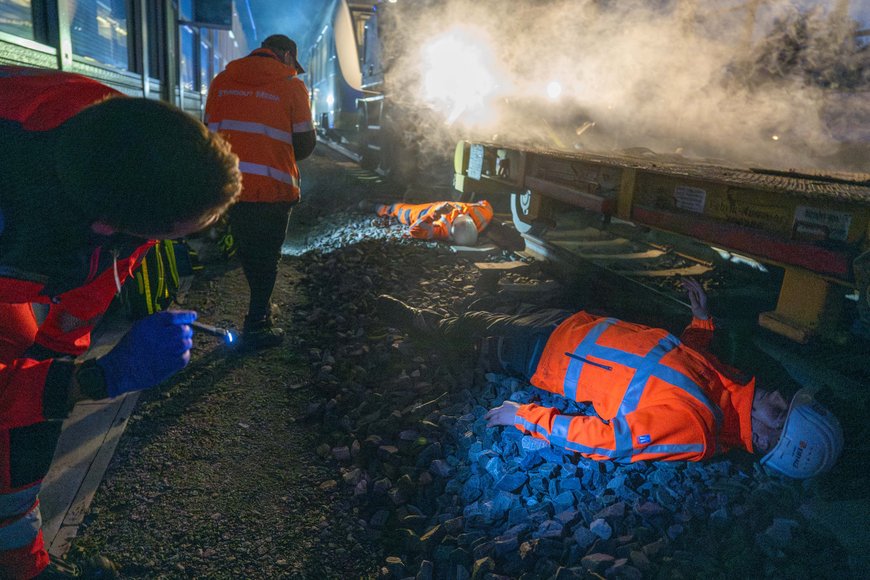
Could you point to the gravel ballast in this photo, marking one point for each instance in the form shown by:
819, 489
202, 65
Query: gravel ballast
358, 449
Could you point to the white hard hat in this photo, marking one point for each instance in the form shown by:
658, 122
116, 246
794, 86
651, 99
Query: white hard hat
463, 231
811, 439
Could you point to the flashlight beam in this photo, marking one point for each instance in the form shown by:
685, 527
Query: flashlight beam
214, 331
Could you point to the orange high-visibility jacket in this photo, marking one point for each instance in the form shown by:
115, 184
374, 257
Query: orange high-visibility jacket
257, 104
656, 398
431, 221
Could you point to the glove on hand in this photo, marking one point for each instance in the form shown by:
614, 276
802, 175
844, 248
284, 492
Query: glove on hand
697, 298
504, 414
153, 350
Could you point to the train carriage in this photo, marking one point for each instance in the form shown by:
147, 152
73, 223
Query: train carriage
159, 49
335, 68
574, 158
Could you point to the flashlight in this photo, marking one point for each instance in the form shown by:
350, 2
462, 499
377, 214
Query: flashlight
226, 335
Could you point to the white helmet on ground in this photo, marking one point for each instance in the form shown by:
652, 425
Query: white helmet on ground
463, 232
811, 439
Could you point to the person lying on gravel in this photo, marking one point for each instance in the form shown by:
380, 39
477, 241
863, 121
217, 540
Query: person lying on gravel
452, 221
657, 397
89, 177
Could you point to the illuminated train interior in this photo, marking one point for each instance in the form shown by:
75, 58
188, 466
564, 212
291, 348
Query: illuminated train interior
150, 48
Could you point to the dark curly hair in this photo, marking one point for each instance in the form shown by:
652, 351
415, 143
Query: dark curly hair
142, 166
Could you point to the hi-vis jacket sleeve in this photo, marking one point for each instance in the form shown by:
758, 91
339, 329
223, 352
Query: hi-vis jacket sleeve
699, 334
662, 432
67, 329
301, 105
429, 227
32, 391
34, 386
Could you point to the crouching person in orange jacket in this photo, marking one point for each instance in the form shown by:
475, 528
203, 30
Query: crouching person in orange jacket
441, 220
90, 180
657, 397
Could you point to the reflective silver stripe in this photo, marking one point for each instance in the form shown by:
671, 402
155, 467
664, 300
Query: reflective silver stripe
481, 219
17, 502
303, 127
266, 171
22, 531
255, 128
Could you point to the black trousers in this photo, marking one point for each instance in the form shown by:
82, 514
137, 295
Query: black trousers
259, 230
521, 336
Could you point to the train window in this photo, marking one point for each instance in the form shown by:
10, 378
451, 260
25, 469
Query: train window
204, 61
99, 31
324, 54
185, 10
155, 20
360, 19
186, 70
16, 17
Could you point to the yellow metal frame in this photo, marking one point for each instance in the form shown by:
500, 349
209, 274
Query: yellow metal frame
807, 305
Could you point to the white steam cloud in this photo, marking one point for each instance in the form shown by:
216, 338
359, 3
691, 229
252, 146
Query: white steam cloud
775, 83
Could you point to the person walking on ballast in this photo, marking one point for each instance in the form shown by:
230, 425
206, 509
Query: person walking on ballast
261, 107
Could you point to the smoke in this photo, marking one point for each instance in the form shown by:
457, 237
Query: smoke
747, 83
298, 19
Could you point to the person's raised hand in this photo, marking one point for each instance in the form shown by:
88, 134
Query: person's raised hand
697, 298
154, 349
504, 414
442, 208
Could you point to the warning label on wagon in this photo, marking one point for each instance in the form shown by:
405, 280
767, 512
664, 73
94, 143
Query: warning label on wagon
690, 198
826, 224
475, 162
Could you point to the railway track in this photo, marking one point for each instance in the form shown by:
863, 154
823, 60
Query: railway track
648, 260
812, 228
647, 265
781, 282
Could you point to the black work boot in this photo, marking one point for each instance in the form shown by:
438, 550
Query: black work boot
397, 312
260, 332
93, 567
58, 568
368, 206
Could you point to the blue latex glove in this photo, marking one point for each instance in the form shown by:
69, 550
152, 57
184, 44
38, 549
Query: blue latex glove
152, 351
697, 298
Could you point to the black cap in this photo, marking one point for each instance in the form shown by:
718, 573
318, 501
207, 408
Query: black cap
281, 43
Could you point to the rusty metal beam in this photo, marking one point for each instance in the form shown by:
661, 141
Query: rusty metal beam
570, 195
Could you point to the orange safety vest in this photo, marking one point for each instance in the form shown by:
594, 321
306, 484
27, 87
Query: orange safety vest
257, 104
656, 398
424, 224
41, 100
